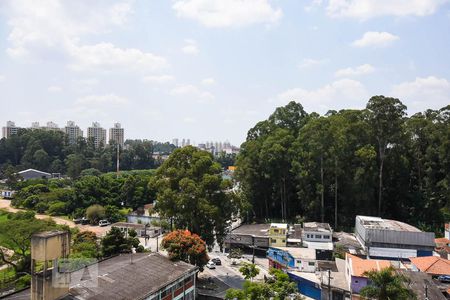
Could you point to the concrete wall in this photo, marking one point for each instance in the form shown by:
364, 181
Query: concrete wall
357, 283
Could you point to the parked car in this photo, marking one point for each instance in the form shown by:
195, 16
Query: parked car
216, 261
103, 223
210, 265
444, 278
82, 221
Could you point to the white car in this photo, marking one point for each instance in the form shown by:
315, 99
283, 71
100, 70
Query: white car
211, 265
103, 223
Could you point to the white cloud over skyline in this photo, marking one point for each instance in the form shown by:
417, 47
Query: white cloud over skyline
356, 71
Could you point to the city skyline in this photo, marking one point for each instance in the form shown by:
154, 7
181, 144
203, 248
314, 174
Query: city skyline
201, 69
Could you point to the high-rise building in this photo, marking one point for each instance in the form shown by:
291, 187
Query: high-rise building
9, 129
97, 134
73, 132
51, 126
188, 142
35, 125
183, 142
175, 142
116, 134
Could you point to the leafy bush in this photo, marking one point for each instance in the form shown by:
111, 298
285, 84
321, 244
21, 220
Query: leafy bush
41, 207
57, 209
95, 213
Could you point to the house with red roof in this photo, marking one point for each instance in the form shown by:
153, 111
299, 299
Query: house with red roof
355, 268
433, 265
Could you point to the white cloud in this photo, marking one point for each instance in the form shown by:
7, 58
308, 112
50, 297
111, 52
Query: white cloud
312, 5
230, 13
102, 100
158, 79
311, 62
105, 56
423, 93
366, 9
190, 47
208, 81
2, 78
189, 90
54, 89
356, 71
55, 28
189, 120
343, 93
375, 39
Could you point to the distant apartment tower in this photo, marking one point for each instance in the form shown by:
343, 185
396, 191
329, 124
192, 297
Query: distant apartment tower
51, 126
10, 129
175, 142
73, 132
97, 134
116, 134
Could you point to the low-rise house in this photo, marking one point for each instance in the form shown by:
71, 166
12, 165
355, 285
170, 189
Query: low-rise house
389, 239
247, 236
278, 234
422, 285
7, 194
355, 267
141, 229
432, 265
34, 174
301, 259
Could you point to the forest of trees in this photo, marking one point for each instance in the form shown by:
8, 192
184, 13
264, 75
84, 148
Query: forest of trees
375, 161
50, 151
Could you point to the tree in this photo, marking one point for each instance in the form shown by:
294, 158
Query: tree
279, 287
186, 246
95, 213
191, 191
115, 242
386, 284
386, 116
16, 235
249, 271
85, 245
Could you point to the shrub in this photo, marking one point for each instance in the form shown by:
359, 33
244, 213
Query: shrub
57, 209
95, 213
41, 207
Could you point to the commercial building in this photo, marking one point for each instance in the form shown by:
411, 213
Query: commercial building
34, 174
10, 129
285, 258
391, 239
248, 236
73, 132
97, 134
116, 134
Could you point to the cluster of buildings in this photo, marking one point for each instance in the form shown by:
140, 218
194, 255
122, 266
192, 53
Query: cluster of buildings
330, 265
213, 147
95, 132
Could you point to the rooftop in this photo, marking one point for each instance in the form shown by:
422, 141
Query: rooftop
34, 170
417, 283
385, 224
359, 266
302, 253
316, 226
132, 225
278, 225
433, 265
252, 229
119, 279
441, 242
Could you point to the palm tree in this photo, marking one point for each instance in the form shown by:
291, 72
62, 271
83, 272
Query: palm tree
386, 284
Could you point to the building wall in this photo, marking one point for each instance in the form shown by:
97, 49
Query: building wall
34, 175
277, 241
315, 236
282, 257
183, 288
447, 232
306, 265
357, 283
306, 287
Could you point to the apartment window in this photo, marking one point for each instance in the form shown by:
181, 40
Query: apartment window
311, 264
275, 230
326, 236
283, 241
318, 236
273, 240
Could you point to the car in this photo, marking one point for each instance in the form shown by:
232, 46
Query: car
216, 261
210, 265
82, 221
103, 223
444, 278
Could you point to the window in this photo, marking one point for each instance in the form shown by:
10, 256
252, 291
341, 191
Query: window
326, 237
318, 236
273, 240
356, 281
283, 241
275, 230
311, 263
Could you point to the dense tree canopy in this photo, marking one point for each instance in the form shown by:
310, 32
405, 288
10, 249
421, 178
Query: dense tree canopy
191, 191
375, 161
387, 284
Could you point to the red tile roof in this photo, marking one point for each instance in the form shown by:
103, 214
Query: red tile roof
359, 265
441, 242
433, 265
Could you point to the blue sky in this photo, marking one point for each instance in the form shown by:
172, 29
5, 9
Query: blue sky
210, 69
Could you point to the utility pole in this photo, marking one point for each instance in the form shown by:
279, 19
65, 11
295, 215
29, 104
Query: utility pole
157, 243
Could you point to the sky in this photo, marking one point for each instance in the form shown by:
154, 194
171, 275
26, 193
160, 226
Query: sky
209, 70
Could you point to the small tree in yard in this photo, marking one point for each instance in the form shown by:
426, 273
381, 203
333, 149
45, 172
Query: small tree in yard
186, 246
385, 285
95, 213
114, 242
249, 271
